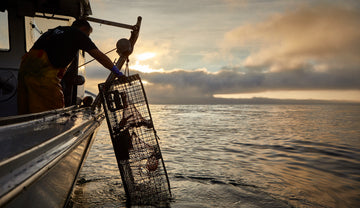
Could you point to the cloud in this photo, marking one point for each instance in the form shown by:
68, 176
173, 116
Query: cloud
326, 36
187, 86
164, 53
183, 85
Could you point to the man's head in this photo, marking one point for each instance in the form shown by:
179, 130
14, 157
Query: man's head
82, 25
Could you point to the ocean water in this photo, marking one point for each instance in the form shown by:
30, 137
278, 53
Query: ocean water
242, 156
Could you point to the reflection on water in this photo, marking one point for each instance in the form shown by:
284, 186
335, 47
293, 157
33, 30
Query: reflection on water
243, 156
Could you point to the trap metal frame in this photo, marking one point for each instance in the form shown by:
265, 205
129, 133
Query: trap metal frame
135, 141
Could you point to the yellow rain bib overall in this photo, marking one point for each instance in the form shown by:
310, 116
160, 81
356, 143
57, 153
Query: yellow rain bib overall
39, 87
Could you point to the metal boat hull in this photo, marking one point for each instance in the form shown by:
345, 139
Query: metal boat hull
43, 174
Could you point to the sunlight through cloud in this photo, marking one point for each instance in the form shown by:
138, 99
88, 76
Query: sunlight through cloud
144, 68
145, 56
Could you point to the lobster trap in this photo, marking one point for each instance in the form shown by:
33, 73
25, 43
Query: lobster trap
135, 141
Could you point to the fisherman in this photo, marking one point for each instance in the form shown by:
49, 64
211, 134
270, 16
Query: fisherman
43, 67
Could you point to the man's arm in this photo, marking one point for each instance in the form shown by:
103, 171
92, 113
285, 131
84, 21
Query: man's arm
105, 61
101, 58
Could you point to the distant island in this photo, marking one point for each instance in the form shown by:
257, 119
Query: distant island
255, 100
235, 101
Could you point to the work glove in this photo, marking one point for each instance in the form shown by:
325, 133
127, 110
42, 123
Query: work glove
116, 71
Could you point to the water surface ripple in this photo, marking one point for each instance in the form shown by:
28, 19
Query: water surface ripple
243, 156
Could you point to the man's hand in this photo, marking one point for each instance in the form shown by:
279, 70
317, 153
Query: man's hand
116, 71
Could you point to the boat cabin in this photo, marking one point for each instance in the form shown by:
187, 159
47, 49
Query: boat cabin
21, 23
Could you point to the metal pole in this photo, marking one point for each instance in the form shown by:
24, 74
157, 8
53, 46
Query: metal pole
106, 22
133, 38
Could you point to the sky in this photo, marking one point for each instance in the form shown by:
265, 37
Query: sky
202, 51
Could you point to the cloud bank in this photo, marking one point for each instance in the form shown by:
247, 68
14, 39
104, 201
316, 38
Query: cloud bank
324, 36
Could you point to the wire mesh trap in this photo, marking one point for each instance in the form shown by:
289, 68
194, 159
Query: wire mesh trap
135, 141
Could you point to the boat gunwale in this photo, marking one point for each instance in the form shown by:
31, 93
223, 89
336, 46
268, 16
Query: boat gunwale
8, 196
31, 117
46, 143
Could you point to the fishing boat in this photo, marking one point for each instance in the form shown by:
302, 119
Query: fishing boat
41, 154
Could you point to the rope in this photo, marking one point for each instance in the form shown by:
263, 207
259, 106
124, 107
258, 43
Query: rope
127, 67
94, 59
